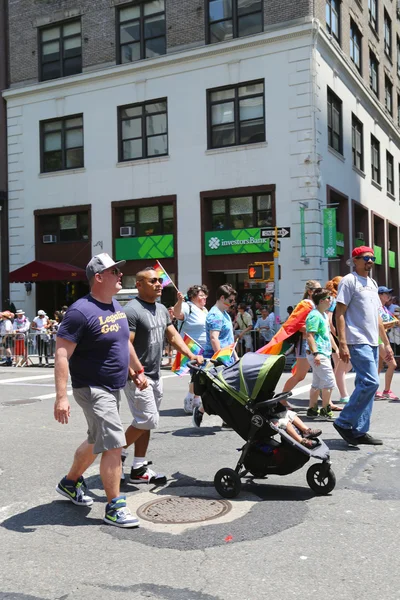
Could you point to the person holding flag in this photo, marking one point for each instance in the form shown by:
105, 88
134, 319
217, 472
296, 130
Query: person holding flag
219, 335
148, 322
192, 321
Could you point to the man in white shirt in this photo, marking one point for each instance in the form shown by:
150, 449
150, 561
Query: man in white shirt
39, 325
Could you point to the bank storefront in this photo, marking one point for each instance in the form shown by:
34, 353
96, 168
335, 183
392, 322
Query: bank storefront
232, 220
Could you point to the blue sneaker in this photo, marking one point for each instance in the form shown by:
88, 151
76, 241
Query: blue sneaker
74, 491
119, 515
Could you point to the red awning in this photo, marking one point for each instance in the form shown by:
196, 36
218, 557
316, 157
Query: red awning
47, 271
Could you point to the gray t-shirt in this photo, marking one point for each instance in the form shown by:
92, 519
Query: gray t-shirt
360, 295
149, 322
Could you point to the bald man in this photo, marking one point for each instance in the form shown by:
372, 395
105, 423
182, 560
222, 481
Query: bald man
149, 322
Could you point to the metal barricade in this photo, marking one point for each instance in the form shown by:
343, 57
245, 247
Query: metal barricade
40, 346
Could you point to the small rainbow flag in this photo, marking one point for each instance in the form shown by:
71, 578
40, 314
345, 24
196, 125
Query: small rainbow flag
162, 274
225, 354
180, 366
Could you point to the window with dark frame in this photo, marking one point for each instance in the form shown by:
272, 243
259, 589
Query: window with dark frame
389, 173
373, 73
227, 19
242, 212
355, 45
335, 133
67, 228
61, 143
388, 95
357, 142
373, 13
375, 160
141, 30
148, 220
236, 115
387, 34
332, 17
143, 130
60, 50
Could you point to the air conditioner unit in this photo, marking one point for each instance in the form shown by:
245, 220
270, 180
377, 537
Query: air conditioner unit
126, 231
359, 235
49, 239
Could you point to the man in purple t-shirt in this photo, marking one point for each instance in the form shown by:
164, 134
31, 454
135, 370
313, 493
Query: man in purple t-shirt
93, 341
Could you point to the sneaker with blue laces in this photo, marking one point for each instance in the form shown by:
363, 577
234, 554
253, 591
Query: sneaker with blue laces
119, 515
74, 491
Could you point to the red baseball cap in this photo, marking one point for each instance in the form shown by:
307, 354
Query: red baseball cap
361, 250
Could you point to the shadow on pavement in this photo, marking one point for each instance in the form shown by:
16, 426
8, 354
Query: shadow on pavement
173, 412
57, 512
197, 432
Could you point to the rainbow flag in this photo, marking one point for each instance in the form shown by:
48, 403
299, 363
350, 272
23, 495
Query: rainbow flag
162, 274
180, 366
225, 354
294, 323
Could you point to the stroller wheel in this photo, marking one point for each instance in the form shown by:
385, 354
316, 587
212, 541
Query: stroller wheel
320, 479
227, 483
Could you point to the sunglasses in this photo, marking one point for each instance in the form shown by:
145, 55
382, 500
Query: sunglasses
154, 280
367, 258
114, 271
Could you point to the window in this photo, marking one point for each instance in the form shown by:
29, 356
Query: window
389, 173
388, 95
335, 137
60, 50
357, 143
375, 160
387, 34
141, 31
355, 45
61, 143
236, 115
242, 212
229, 19
373, 73
373, 13
149, 220
66, 228
332, 16
143, 130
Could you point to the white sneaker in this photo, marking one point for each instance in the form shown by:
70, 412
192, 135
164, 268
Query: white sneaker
196, 402
188, 404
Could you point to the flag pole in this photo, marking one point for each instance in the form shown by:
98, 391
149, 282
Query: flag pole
161, 267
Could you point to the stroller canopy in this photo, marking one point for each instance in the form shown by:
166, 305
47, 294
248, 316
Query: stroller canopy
253, 377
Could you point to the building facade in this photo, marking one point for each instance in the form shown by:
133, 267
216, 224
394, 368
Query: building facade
4, 292
183, 131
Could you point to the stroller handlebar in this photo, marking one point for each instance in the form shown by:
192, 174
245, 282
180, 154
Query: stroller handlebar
274, 400
195, 366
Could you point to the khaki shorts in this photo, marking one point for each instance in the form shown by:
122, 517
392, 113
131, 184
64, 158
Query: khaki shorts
323, 376
101, 409
283, 422
145, 404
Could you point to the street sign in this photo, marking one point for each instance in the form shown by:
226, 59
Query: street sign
272, 245
269, 232
256, 272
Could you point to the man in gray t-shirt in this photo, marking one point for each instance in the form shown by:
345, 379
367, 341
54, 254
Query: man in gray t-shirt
359, 328
148, 322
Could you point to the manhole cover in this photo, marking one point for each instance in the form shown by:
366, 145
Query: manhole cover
19, 402
175, 509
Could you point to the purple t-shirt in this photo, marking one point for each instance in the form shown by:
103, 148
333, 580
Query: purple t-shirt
101, 332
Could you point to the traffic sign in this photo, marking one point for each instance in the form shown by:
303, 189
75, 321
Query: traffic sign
269, 232
272, 245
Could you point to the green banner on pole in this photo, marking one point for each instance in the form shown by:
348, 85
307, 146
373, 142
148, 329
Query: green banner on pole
149, 246
340, 243
359, 243
303, 231
392, 259
378, 254
330, 237
235, 241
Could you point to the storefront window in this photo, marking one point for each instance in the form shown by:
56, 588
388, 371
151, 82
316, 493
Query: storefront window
168, 218
149, 220
242, 213
264, 211
66, 228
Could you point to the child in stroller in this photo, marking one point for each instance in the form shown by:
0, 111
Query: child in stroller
290, 422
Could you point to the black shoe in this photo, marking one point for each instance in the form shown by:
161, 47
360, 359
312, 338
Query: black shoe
197, 417
368, 439
347, 435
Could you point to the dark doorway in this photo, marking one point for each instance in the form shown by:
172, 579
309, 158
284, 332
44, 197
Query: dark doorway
52, 295
393, 257
341, 202
379, 245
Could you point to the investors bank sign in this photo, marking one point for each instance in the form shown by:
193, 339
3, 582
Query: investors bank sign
235, 241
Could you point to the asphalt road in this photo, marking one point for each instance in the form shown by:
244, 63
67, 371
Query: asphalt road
277, 541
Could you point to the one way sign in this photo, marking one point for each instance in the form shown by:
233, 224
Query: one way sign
269, 232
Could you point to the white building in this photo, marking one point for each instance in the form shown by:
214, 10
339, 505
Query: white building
280, 86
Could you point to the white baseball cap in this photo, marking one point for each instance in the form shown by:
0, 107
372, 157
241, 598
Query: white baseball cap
100, 263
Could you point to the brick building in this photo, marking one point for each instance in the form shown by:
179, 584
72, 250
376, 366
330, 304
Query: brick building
179, 130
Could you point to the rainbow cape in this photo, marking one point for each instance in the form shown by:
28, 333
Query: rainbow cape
162, 274
225, 354
180, 366
294, 323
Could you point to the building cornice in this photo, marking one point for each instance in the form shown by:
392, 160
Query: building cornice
271, 36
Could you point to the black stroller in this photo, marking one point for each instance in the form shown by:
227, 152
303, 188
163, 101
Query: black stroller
243, 396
